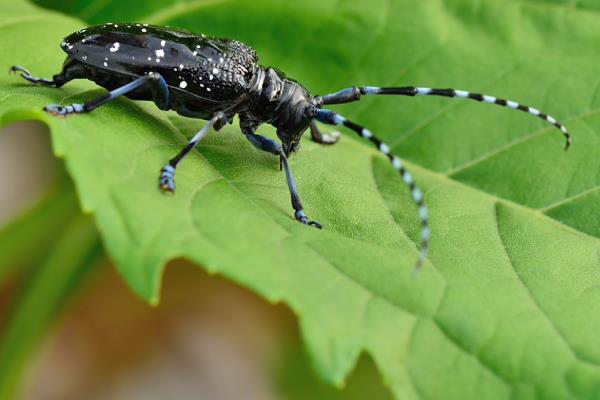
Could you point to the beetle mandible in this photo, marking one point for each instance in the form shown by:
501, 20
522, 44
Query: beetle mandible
214, 79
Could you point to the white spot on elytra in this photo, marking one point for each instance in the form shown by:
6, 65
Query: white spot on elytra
145, 24
221, 60
215, 71
162, 43
160, 53
115, 47
183, 84
144, 30
208, 89
149, 58
105, 64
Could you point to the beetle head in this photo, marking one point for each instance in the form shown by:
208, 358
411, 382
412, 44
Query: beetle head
293, 123
295, 115
282, 102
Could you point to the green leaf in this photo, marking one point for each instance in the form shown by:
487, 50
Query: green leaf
505, 306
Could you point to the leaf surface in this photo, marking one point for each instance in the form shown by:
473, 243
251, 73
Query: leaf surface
507, 303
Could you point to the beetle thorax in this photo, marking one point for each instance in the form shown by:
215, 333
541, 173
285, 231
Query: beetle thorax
281, 102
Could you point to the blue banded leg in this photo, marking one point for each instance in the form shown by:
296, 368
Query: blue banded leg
166, 180
153, 80
332, 118
270, 146
322, 138
354, 93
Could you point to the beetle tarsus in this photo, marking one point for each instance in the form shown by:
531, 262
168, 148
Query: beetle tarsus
63, 111
301, 217
25, 74
323, 138
24, 71
166, 180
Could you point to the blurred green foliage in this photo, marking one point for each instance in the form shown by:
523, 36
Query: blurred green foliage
506, 306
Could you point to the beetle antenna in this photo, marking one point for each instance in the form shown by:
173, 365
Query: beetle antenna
333, 118
354, 93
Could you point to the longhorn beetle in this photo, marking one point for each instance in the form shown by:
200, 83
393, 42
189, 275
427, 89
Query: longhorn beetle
214, 79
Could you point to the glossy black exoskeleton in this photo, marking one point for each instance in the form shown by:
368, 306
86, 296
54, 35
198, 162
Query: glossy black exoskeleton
215, 79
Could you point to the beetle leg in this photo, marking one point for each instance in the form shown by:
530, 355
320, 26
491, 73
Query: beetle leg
156, 82
296, 203
25, 74
323, 138
71, 70
270, 146
167, 173
57, 80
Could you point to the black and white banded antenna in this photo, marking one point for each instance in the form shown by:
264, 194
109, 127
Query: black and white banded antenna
354, 94
333, 118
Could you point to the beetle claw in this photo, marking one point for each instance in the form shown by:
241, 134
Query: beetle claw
316, 224
301, 217
17, 68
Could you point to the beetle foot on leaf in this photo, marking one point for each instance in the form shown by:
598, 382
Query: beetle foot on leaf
18, 68
167, 178
329, 138
61, 111
301, 217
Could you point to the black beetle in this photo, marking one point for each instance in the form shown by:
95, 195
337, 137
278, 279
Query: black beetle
214, 79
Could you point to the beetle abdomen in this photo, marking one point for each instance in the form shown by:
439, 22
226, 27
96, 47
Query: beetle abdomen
212, 68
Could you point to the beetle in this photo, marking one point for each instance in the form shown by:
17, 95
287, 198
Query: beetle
214, 79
